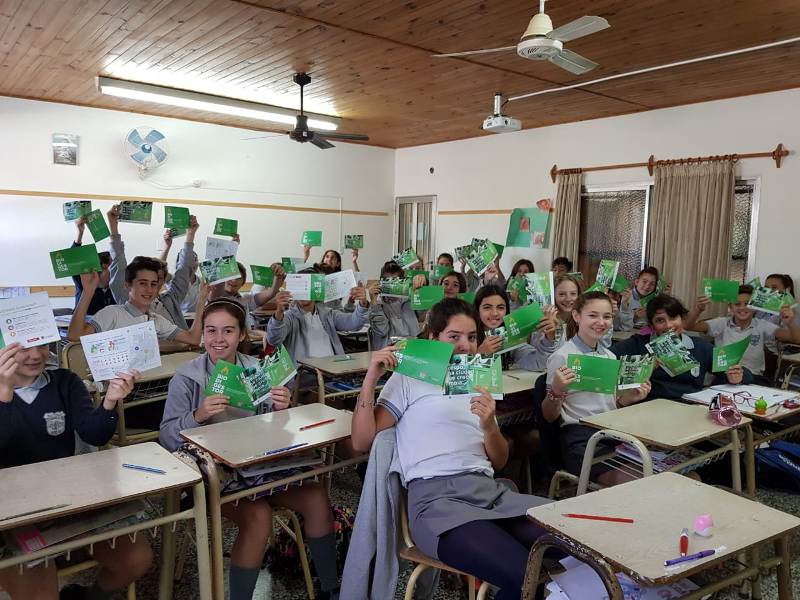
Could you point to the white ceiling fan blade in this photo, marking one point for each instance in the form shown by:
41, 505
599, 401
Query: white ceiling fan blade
470, 52
573, 62
264, 137
578, 28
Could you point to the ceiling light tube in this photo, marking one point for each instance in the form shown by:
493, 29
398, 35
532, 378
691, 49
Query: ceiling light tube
207, 102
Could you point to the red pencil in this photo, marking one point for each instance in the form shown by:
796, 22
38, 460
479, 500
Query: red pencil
598, 518
325, 422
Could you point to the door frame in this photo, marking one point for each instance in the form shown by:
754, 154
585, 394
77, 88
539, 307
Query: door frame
415, 201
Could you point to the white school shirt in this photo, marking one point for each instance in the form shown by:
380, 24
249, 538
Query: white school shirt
580, 404
725, 331
437, 435
125, 315
317, 340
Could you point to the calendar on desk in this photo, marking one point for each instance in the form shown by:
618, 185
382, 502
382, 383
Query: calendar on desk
120, 350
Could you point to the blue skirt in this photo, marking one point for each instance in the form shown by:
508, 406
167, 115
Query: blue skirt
439, 504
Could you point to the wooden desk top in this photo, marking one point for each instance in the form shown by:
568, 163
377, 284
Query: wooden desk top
242, 442
519, 380
88, 481
661, 506
663, 423
358, 362
169, 364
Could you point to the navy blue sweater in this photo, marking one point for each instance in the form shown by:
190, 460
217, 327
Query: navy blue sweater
664, 386
45, 429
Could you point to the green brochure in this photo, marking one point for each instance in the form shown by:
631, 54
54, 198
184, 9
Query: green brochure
730, 355
311, 238
607, 273
620, 284
407, 258
228, 379
519, 228
176, 218
520, 324
462, 252
228, 227
355, 242
75, 261
426, 360
273, 370
394, 286
519, 284
440, 271
468, 297
134, 211
635, 369
288, 265
414, 272
262, 275
498, 248
469, 370
596, 287
425, 297
755, 282
97, 225
219, 270
306, 286
540, 288
721, 290
577, 275
77, 209
673, 356
508, 343
482, 254
770, 301
594, 373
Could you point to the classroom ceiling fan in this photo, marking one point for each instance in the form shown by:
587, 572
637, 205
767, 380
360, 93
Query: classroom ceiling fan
541, 42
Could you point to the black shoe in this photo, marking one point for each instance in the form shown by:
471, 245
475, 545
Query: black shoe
73, 592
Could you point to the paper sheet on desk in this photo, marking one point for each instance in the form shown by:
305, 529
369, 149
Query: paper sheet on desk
772, 396
120, 350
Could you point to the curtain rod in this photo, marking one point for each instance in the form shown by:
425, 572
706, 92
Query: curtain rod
777, 155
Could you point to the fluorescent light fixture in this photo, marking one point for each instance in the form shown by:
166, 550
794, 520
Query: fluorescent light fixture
207, 102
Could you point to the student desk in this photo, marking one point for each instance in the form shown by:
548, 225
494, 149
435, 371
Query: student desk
242, 442
671, 425
515, 381
355, 363
94, 480
661, 506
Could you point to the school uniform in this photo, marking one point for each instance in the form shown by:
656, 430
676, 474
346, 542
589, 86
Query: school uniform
725, 331
392, 318
41, 421
125, 315
101, 298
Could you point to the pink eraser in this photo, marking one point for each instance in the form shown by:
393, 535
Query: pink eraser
703, 525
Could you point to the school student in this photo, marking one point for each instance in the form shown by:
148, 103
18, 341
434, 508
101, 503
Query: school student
631, 310
454, 283
449, 449
187, 406
41, 412
166, 303
253, 300
492, 275
142, 282
592, 317
193, 291
521, 268
331, 258
665, 313
308, 329
102, 295
391, 316
445, 259
779, 282
740, 324
561, 265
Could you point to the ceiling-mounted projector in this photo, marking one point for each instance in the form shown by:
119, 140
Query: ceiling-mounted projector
498, 122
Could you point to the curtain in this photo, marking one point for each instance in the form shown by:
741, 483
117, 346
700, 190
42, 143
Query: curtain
691, 218
567, 219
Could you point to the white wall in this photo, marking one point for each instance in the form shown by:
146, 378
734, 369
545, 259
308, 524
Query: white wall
512, 170
268, 171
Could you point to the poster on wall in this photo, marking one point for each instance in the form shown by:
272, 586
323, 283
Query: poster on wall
65, 148
530, 227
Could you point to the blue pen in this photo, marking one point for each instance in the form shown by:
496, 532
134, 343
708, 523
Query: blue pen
286, 449
143, 468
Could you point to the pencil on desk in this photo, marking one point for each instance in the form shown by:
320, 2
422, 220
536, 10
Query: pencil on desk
598, 518
143, 468
325, 422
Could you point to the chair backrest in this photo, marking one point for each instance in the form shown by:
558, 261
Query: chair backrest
548, 432
405, 530
73, 358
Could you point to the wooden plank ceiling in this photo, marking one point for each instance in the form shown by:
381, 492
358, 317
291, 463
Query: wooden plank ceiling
370, 59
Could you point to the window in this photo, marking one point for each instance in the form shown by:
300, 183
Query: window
415, 226
743, 224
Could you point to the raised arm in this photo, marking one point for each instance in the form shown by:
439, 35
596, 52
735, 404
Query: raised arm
369, 419
790, 335
194, 335
356, 268
182, 279
167, 245
264, 296
494, 443
78, 325
692, 323
118, 261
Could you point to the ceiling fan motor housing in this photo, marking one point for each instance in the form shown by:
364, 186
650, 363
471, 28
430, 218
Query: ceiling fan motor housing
539, 48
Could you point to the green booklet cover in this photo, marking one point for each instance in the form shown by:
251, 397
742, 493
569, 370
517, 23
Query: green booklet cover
414, 272
395, 286
288, 264
426, 360
306, 286
135, 211
77, 209
755, 282
426, 296
519, 284
594, 373
481, 256
262, 275
468, 297
540, 288
354, 242
219, 270
469, 370
620, 284
273, 370
229, 227
75, 261
577, 275
228, 379
635, 369
520, 324
311, 238
440, 271
462, 251
176, 218
770, 301
607, 273
673, 356
407, 258
508, 343
97, 225
596, 287
730, 355
721, 290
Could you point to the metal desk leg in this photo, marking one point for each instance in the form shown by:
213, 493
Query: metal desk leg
211, 476
171, 504
750, 461
736, 464
201, 535
122, 435
320, 386
784, 570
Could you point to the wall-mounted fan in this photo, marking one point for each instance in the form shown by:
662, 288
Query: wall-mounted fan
147, 147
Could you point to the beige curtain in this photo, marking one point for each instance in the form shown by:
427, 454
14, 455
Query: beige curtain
567, 219
691, 219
